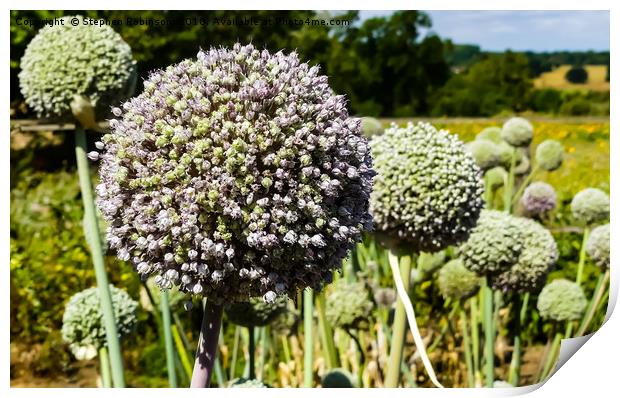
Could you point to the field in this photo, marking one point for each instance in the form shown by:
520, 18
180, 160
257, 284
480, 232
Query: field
555, 79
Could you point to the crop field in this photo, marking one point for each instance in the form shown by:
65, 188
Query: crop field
555, 79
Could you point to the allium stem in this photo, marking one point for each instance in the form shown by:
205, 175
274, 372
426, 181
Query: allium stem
207, 345
235, 350
599, 290
489, 335
582, 255
104, 362
467, 348
92, 224
475, 336
308, 337
523, 185
514, 372
165, 315
184, 358
327, 334
550, 361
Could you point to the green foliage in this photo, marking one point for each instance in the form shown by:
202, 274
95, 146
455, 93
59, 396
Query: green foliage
577, 75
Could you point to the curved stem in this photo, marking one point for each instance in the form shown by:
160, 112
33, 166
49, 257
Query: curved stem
165, 312
207, 345
308, 338
524, 184
104, 362
91, 226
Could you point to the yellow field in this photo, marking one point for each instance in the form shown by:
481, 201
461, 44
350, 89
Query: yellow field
555, 79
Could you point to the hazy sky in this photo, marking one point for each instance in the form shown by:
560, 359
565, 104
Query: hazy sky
521, 30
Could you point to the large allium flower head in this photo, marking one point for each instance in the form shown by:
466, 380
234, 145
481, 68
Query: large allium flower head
549, 155
537, 258
590, 206
493, 245
82, 321
234, 175
518, 132
495, 177
486, 153
598, 244
63, 61
256, 312
561, 300
338, 378
371, 126
348, 306
538, 198
492, 133
428, 191
242, 382
456, 281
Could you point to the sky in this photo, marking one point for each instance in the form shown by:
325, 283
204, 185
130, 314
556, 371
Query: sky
521, 30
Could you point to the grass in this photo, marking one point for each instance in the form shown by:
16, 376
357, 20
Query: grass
555, 79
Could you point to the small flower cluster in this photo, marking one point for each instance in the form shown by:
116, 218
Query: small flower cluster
64, 60
256, 312
562, 300
539, 198
82, 322
235, 175
598, 245
428, 189
457, 282
348, 306
518, 132
549, 155
486, 153
590, 206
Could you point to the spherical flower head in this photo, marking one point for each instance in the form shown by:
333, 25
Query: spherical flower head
561, 300
590, 206
539, 198
371, 126
63, 61
385, 296
82, 322
495, 177
338, 378
234, 175
598, 245
493, 245
428, 191
549, 155
348, 306
256, 312
242, 382
492, 133
518, 132
456, 281
486, 153
537, 257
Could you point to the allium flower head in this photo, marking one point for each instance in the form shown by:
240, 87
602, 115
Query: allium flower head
538, 198
385, 296
536, 259
82, 321
549, 155
486, 153
492, 133
234, 175
428, 191
348, 305
371, 126
518, 132
63, 61
495, 177
561, 300
598, 245
256, 312
590, 206
456, 281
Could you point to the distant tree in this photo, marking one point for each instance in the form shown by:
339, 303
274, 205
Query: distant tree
577, 75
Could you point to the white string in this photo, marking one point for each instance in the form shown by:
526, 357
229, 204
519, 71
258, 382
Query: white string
417, 338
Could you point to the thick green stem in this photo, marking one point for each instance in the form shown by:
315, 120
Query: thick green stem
207, 345
475, 335
104, 362
599, 291
515, 364
582, 255
251, 353
178, 342
235, 351
550, 361
524, 184
167, 324
508, 188
308, 338
489, 335
392, 378
327, 335
91, 225
467, 348
286, 349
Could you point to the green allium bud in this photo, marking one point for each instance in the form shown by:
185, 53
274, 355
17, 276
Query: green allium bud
428, 191
590, 206
242, 382
562, 300
486, 153
82, 321
549, 155
518, 132
63, 61
598, 245
492, 133
456, 281
256, 312
348, 306
338, 378
495, 177
371, 126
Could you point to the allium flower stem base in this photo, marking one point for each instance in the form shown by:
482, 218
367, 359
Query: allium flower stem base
327, 334
308, 338
116, 360
207, 345
104, 363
